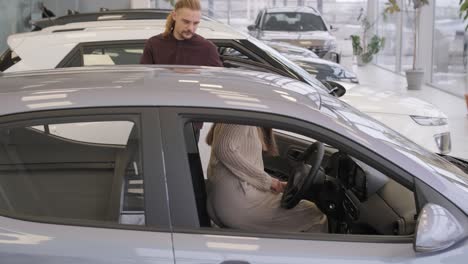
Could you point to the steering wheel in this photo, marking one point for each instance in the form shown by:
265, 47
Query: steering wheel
304, 175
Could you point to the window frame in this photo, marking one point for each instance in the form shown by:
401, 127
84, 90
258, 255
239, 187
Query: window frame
183, 220
147, 121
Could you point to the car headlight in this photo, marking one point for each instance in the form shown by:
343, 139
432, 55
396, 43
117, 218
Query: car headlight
429, 121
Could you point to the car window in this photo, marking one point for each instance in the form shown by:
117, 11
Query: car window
85, 132
80, 171
229, 51
8, 59
355, 197
294, 21
112, 55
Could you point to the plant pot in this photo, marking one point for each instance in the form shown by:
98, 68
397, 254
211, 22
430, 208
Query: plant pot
363, 59
414, 78
360, 62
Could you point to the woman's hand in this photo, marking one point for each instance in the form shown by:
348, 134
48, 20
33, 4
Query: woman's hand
278, 186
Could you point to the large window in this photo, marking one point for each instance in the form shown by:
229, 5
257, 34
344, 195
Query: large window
450, 48
388, 27
77, 170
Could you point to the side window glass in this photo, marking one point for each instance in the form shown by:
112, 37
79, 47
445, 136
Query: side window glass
112, 55
74, 61
85, 132
88, 171
228, 52
326, 189
8, 59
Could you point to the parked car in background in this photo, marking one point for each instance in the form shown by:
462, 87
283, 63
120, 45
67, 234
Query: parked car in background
319, 68
122, 42
69, 198
301, 26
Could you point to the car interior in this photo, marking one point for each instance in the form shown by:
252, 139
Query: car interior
46, 175
356, 198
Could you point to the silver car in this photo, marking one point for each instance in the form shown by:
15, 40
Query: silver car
102, 165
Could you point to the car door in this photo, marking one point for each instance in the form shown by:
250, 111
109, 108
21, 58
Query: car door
83, 186
197, 241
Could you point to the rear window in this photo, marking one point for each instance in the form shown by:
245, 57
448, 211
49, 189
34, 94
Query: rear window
8, 59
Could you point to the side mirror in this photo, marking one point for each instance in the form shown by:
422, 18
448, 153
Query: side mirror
333, 29
437, 229
335, 88
332, 56
251, 27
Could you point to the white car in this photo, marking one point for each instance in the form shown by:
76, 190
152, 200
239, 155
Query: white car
122, 42
300, 26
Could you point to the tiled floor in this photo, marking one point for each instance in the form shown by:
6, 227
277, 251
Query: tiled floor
454, 107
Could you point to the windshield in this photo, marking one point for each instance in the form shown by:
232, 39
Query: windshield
291, 65
294, 21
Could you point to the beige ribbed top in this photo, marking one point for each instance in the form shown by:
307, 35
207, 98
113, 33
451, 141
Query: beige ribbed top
239, 149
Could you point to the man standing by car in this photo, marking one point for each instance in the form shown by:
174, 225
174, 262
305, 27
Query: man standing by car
179, 44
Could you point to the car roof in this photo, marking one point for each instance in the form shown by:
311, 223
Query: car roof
211, 28
119, 14
55, 42
72, 32
298, 9
151, 85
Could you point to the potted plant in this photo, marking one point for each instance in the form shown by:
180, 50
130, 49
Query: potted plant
363, 47
414, 76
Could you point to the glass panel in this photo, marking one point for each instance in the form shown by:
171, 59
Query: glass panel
69, 171
126, 54
8, 59
388, 28
450, 48
407, 44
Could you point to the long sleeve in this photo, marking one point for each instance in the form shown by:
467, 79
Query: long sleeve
213, 58
147, 57
238, 150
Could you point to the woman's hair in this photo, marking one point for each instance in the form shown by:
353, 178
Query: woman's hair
190, 4
265, 134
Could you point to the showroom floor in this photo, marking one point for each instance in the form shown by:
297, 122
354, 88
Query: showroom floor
454, 107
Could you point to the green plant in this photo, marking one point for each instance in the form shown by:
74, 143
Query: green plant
464, 11
393, 7
364, 47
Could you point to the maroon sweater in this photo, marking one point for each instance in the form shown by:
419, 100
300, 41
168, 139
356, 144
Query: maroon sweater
194, 51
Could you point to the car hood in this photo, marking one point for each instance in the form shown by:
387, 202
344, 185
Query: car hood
371, 100
303, 35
